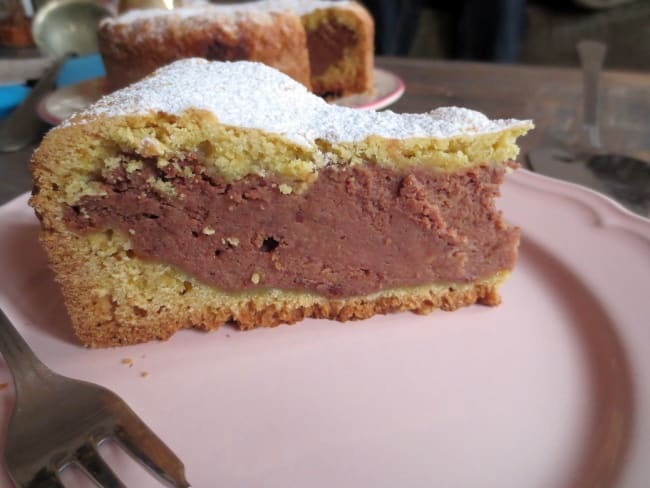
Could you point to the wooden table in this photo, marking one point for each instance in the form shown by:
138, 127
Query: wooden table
552, 97
549, 96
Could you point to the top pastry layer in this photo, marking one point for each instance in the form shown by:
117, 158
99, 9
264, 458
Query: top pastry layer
253, 96
246, 118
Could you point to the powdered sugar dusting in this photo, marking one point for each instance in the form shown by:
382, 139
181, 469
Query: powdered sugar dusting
302, 7
202, 12
252, 95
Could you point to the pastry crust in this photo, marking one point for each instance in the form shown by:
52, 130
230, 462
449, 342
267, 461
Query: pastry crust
115, 300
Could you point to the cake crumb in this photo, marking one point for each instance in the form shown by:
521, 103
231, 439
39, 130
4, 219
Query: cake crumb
230, 241
276, 262
255, 278
112, 162
132, 231
187, 172
150, 147
228, 336
187, 286
163, 187
3, 386
144, 374
128, 361
208, 231
285, 189
133, 166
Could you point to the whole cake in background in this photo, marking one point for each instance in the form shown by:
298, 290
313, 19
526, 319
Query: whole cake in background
325, 45
212, 193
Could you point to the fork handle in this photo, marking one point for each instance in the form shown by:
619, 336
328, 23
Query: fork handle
23, 363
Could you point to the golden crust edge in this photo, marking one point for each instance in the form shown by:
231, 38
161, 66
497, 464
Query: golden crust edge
115, 302
251, 316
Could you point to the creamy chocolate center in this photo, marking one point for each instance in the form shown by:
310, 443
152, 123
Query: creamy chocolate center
326, 45
354, 231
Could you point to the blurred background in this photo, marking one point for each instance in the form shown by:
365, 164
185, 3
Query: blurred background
514, 31
508, 31
520, 42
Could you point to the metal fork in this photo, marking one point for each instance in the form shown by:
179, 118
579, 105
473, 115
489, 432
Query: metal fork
58, 421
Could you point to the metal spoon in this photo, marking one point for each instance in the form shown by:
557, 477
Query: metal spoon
61, 28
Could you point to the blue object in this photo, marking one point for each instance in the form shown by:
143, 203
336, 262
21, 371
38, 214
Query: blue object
74, 70
80, 69
11, 96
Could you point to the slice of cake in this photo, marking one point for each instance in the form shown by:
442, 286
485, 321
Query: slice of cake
340, 41
226, 192
322, 44
138, 42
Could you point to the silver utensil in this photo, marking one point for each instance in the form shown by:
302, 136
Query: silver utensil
23, 126
61, 28
584, 159
126, 5
58, 421
592, 56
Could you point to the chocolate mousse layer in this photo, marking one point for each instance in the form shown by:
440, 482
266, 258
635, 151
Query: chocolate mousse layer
326, 45
354, 231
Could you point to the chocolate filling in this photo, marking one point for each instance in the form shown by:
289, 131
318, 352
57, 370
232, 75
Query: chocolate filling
326, 45
354, 231
225, 48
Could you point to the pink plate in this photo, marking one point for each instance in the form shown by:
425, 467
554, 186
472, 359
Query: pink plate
60, 104
388, 88
549, 390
